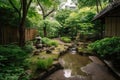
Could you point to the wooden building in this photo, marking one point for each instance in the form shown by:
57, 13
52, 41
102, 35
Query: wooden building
110, 16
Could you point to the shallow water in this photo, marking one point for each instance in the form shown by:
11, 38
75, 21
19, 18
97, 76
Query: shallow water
74, 62
77, 67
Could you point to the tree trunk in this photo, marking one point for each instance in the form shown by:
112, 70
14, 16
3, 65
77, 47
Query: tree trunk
44, 15
100, 4
22, 34
22, 12
1, 35
97, 6
45, 31
21, 26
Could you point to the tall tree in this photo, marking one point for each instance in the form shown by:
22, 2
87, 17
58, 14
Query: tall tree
47, 7
22, 10
61, 17
97, 3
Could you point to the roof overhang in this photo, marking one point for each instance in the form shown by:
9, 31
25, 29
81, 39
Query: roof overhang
108, 11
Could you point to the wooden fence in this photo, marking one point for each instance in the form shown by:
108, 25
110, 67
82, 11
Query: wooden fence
11, 35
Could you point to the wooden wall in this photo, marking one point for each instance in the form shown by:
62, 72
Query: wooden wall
11, 35
112, 26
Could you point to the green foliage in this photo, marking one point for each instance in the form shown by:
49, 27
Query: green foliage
49, 42
28, 48
80, 22
49, 3
52, 28
81, 17
8, 17
45, 40
87, 16
34, 17
66, 39
11, 62
86, 28
44, 63
87, 31
106, 47
75, 21
62, 15
90, 3
52, 43
10, 73
4, 3
12, 53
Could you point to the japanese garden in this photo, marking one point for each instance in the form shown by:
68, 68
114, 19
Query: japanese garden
59, 39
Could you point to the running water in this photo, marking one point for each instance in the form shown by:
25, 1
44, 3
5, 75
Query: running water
77, 67
72, 63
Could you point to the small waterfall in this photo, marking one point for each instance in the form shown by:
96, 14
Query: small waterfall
73, 49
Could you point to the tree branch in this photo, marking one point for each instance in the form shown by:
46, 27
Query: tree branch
50, 12
28, 5
21, 5
97, 6
13, 5
99, 1
43, 12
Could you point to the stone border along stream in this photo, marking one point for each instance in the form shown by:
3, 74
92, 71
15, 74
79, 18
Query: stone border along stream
57, 66
54, 67
109, 65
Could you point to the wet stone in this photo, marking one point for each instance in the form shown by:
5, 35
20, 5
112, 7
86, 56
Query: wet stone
77, 67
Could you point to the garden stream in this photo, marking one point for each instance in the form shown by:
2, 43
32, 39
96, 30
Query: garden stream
78, 67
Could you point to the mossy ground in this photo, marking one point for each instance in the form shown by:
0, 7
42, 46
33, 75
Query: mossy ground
43, 55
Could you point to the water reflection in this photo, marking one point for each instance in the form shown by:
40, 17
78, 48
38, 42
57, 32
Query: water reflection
67, 73
77, 67
72, 64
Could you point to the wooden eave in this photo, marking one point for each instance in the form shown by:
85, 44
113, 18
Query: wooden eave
111, 10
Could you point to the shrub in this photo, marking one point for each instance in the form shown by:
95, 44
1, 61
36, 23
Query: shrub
66, 39
44, 63
49, 42
11, 62
52, 28
10, 73
106, 47
45, 40
13, 73
28, 48
52, 43
12, 53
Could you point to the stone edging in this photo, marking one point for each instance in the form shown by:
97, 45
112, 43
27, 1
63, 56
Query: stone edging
109, 65
53, 68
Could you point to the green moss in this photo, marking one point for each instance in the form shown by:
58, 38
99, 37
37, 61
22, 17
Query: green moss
33, 60
66, 39
49, 42
44, 63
